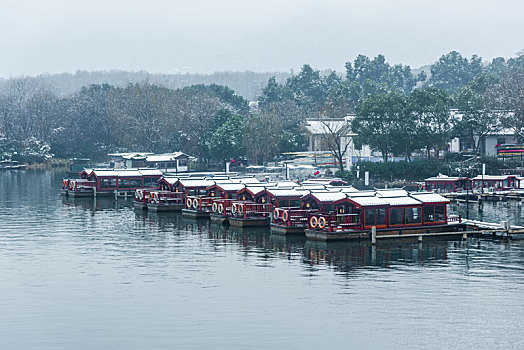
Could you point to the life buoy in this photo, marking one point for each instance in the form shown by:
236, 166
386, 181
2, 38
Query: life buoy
321, 222
313, 222
420, 187
189, 202
234, 209
140, 195
214, 207
285, 215
220, 208
275, 213
195, 203
240, 208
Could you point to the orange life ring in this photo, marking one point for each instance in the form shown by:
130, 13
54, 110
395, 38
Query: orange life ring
240, 208
420, 187
285, 215
189, 202
275, 213
313, 222
321, 222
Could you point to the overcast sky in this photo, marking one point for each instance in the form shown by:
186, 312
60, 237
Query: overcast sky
54, 36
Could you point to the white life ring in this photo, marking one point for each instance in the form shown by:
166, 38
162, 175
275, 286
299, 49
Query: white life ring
214, 207
220, 208
234, 208
189, 203
195, 203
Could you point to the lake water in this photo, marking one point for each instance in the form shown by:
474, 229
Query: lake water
86, 274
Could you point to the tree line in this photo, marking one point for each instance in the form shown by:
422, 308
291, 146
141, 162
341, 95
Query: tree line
397, 111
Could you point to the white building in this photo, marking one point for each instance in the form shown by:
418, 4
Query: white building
319, 130
169, 162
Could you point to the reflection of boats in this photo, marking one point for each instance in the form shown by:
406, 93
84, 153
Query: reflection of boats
98, 204
11, 165
355, 254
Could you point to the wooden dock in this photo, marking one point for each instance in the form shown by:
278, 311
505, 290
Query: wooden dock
493, 196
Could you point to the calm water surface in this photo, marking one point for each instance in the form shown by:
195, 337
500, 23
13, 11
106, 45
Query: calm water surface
85, 274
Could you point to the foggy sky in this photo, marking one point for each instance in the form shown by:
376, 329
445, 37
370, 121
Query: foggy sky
170, 36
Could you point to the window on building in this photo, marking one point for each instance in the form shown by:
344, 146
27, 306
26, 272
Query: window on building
381, 216
413, 216
397, 216
369, 217
440, 213
429, 213
108, 183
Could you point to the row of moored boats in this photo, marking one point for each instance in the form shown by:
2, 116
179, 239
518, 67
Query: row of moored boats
322, 209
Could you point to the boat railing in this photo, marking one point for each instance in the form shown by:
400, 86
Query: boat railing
291, 217
142, 195
164, 197
222, 206
332, 222
199, 203
80, 185
250, 210
455, 218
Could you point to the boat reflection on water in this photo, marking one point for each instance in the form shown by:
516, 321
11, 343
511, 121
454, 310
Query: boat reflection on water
361, 254
342, 256
97, 204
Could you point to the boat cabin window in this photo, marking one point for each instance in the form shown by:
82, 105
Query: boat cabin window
289, 203
413, 216
429, 213
440, 213
434, 213
375, 217
107, 183
329, 208
397, 216
151, 182
129, 183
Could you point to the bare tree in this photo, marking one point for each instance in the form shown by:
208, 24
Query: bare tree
335, 138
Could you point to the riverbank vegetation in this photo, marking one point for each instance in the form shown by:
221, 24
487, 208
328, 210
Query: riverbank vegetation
398, 112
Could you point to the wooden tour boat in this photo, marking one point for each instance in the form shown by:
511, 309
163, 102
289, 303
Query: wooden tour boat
392, 213
165, 201
250, 214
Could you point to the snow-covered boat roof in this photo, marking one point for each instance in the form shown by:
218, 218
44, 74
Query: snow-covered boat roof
255, 190
429, 197
400, 201
444, 178
492, 177
125, 172
368, 201
228, 187
195, 183
170, 179
328, 197
286, 184
166, 157
277, 192
391, 193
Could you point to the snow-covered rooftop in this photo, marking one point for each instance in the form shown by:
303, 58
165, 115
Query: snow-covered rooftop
429, 197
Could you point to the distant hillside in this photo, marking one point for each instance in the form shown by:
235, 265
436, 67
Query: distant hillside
247, 84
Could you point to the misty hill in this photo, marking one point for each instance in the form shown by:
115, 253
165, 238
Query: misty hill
246, 84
